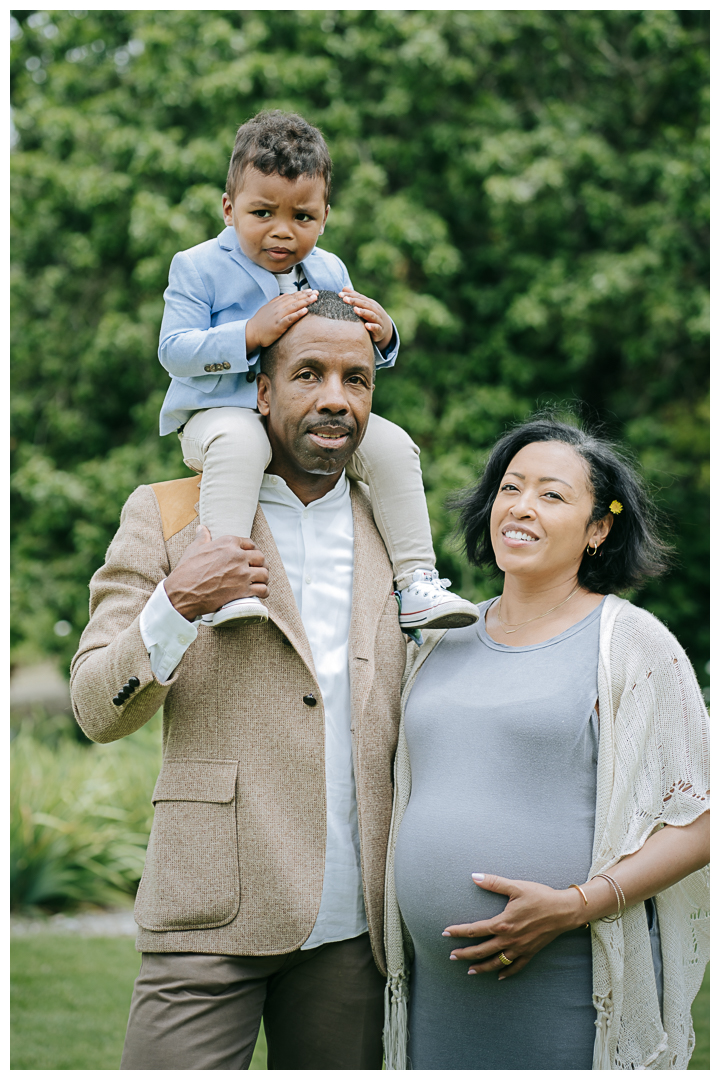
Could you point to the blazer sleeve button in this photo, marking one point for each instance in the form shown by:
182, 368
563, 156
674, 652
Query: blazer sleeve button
310, 700
208, 367
227, 365
134, 682
118, 700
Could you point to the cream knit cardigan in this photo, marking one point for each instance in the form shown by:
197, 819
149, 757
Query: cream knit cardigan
652, 770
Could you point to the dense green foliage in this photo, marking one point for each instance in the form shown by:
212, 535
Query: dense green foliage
80, 817
525, 191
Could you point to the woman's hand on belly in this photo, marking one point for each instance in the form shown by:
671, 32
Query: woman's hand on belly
533, 917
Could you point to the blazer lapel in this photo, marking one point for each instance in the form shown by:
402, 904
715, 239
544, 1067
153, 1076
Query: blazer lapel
229, 241
315, 271
281, 600
372, 585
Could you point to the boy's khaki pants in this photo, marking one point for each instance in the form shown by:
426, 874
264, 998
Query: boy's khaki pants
322, 1009
231, 448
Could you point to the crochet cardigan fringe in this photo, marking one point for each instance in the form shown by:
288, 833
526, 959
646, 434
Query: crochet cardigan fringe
652, 771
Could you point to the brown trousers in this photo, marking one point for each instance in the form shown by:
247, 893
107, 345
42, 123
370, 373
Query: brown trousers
322, 1008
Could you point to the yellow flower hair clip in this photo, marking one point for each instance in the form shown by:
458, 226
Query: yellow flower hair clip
616, 507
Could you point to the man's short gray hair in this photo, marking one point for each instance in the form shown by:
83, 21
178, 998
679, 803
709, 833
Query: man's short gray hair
327, 306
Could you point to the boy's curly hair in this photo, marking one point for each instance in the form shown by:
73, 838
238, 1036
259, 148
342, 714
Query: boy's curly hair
282, 143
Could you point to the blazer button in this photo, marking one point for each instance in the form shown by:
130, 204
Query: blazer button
134, 682
208, 367
227, 365
250, 377
310, 700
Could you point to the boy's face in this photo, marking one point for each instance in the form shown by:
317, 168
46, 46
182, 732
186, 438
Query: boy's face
277, 220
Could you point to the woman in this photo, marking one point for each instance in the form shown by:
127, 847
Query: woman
550, 826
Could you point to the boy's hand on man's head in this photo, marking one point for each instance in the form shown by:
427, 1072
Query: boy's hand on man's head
375, 317
272, 320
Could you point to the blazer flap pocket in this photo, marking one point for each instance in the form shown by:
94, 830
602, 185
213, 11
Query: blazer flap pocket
196, 781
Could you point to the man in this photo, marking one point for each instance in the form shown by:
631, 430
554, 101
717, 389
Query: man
262, 894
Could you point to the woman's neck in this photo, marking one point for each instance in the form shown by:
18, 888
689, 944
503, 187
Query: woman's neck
531, 611
522, 598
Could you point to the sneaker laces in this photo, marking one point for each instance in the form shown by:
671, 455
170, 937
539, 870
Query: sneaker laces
433, 579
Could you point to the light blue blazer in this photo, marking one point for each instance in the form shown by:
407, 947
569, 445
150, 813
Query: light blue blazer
213, 290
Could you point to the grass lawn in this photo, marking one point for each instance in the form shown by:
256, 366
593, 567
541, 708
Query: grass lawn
701, 1023
70, 998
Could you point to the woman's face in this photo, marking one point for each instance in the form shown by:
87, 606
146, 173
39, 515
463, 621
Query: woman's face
539, 520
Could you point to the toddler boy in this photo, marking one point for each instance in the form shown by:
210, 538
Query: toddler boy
229, 297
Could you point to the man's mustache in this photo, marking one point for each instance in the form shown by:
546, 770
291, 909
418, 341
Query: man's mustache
325, 427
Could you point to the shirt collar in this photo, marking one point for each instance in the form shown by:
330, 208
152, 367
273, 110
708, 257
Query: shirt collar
274, 490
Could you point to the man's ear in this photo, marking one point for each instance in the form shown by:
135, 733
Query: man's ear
264, 389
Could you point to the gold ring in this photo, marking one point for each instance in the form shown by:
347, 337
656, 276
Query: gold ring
504, 960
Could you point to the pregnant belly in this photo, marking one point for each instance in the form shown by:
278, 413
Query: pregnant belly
439, 848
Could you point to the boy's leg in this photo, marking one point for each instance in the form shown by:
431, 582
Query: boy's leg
230, 447
196, 1011
324, 1009
388, 461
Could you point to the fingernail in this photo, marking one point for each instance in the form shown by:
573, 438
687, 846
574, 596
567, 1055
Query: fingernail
472, 971
446, 933
501, 977
478, 877
453, 957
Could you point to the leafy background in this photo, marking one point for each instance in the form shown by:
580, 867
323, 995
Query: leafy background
526, 192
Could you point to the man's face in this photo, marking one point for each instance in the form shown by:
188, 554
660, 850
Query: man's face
277, 221
318, 401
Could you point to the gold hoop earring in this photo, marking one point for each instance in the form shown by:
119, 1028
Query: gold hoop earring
592, 553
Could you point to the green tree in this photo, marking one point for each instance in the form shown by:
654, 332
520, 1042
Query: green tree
525, 191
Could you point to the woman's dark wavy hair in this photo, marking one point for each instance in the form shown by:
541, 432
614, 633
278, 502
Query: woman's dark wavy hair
633, 550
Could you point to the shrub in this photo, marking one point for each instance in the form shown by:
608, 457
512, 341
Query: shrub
80, 817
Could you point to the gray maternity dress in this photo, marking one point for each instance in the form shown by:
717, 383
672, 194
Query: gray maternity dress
503, 751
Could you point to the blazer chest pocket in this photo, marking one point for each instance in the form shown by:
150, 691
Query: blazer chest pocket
191, 879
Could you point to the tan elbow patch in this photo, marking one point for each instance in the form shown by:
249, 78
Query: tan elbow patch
177, 500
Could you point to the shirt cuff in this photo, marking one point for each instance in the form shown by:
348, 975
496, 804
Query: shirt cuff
166, 633
388, 356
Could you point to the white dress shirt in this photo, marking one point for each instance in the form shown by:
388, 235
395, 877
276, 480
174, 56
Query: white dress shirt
315, 543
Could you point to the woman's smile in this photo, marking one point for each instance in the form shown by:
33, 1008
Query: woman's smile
514, 537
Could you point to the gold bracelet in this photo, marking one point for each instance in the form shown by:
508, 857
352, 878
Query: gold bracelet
584, 898
581, 893
618, 894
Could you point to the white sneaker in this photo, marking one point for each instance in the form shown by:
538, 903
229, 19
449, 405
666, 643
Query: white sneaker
248, 610
427, 603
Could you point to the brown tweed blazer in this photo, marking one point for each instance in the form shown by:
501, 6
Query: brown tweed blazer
236, 856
